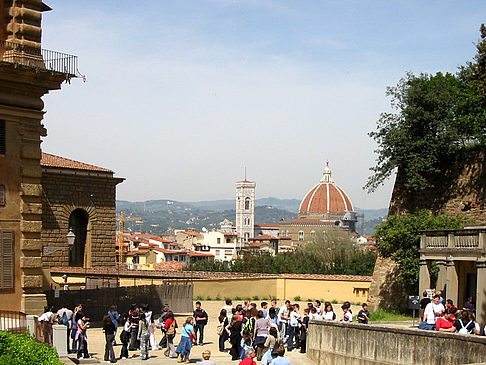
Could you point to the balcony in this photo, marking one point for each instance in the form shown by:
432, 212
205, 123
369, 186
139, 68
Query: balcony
39, 59
468, 241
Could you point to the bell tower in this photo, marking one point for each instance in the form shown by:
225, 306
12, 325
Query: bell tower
245, 209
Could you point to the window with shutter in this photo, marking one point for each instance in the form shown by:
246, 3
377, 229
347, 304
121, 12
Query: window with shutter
6, 259
2, 137
3, 198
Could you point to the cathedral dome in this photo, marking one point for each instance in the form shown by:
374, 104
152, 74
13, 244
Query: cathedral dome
325, 199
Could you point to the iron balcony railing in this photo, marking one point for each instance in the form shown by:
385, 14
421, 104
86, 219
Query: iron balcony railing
38, 58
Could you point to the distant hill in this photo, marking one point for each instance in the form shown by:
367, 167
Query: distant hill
159, 215
291, 205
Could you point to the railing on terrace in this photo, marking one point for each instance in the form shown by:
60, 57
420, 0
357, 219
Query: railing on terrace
39, 58
462, 239
12, 321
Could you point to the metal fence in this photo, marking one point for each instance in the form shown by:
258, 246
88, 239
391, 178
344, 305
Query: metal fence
39, 58
96, 302
12, 321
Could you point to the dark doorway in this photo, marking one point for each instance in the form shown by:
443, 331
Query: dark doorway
78, 222
471, 280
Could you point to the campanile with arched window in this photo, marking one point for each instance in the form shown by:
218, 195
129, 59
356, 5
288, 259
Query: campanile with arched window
245, 209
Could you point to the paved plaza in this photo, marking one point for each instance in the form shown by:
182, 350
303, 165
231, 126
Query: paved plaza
96, 343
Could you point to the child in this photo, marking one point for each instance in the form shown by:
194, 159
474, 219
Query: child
245, 343
269, 345
143, 337
364, 315
347, 315
206, 355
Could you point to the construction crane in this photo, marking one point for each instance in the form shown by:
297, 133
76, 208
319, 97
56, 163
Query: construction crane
121, 227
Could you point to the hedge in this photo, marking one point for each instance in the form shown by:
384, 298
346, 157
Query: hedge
24, 350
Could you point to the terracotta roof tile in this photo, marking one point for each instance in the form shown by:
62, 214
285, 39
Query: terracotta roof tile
48, 160
263, 237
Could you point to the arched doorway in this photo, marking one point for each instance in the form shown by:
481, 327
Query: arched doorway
78, 222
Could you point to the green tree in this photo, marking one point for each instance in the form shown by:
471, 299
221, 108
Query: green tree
399, 238
434, 118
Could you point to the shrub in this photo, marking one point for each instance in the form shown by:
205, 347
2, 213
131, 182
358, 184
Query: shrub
382, 315
198, 297
310, 300
24, 350
255, 297
334, 301
217, 297
297, 298
209, 298
238, 298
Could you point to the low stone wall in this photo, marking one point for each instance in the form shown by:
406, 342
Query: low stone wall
334, 343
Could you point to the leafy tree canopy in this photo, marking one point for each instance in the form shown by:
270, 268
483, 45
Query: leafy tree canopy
399, 238
436, 117
334, 256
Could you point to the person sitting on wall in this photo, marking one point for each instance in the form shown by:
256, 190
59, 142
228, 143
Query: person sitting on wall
363, 314
432, 311
445, 322
450, 307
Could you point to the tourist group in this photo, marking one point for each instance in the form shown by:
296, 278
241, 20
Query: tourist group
262, 332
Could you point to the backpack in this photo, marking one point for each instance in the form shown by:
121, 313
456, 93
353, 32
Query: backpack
464, 329
65, 320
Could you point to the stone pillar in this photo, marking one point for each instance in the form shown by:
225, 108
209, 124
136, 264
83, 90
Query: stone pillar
481, 291
31, 324
442, 277
424, 275
59, 339
452, 286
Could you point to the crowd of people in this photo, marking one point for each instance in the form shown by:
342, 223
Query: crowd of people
255, 332
442, 315
260, 332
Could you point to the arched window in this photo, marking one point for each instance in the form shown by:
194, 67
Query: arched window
78, 222
247, 203
247, 235
301, 235
313, 234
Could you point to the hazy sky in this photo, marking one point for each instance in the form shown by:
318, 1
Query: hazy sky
182, 95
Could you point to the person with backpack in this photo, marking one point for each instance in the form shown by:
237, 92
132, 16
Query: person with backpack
170, 331
188, 337
221, 329
115, 318
66, 316
201, 320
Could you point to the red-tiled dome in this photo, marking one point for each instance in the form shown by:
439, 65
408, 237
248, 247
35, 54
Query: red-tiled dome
325, 198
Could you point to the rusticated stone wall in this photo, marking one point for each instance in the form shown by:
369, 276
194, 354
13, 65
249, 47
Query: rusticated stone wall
63, 192
334, 343
460, 189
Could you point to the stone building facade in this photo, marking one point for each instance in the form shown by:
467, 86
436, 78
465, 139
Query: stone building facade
79, 197
24, 79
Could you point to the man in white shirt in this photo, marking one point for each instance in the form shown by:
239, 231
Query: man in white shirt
432, 311
283, 317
